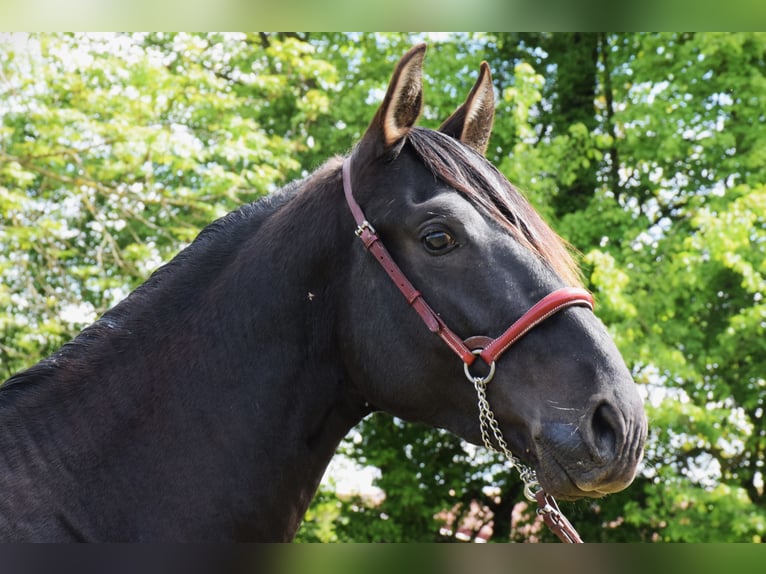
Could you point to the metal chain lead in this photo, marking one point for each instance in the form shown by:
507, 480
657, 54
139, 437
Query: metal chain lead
546, 505
487, 423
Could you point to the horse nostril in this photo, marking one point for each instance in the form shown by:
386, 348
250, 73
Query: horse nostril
606, 427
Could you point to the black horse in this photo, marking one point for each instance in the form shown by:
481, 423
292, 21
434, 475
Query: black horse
208, 403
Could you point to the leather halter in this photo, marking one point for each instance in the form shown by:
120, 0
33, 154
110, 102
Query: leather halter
487, 348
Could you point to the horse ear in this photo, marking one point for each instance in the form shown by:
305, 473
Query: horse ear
402, 104
472, 122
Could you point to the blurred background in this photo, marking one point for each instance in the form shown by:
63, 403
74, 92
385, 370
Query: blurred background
646, 151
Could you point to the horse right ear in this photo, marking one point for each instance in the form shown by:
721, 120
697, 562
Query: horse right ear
472, 122
401, 106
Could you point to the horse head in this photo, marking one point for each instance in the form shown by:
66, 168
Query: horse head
474, 249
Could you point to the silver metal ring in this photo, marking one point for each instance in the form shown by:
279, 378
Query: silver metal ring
472, 378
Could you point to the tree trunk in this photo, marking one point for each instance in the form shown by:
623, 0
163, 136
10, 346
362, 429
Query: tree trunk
575, 56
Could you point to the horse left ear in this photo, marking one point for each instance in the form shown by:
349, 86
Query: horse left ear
401, 106
472, 122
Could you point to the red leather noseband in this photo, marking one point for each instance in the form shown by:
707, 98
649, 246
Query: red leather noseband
548, 306
489, 349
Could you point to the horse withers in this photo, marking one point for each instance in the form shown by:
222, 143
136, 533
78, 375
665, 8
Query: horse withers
207, 404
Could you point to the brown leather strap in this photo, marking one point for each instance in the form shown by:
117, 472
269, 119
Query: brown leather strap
555, 520
369, 237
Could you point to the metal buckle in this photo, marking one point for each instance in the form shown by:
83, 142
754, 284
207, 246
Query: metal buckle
364, 225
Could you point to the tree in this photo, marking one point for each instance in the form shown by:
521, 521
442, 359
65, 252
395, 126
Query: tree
691, 177
116, 150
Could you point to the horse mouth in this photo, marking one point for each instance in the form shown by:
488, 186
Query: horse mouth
554, 478
562, 486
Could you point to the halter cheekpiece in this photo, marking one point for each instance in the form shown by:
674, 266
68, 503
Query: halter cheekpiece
479, 346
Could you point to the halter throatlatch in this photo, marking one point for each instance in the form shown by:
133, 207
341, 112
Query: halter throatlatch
486, 348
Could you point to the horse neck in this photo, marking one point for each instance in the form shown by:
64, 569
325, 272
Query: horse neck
229, 357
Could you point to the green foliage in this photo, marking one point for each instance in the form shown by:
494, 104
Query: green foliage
645, 151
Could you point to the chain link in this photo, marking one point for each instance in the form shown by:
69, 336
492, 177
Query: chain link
487, 423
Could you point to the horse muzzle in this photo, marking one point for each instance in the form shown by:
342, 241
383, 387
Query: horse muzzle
594, 456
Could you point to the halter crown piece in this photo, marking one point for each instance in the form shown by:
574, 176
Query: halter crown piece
479, 346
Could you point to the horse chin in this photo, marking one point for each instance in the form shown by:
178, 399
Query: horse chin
567, 483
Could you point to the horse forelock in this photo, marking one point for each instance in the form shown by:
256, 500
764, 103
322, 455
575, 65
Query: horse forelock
483, 184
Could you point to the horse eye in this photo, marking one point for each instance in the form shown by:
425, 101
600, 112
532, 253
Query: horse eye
439, 242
